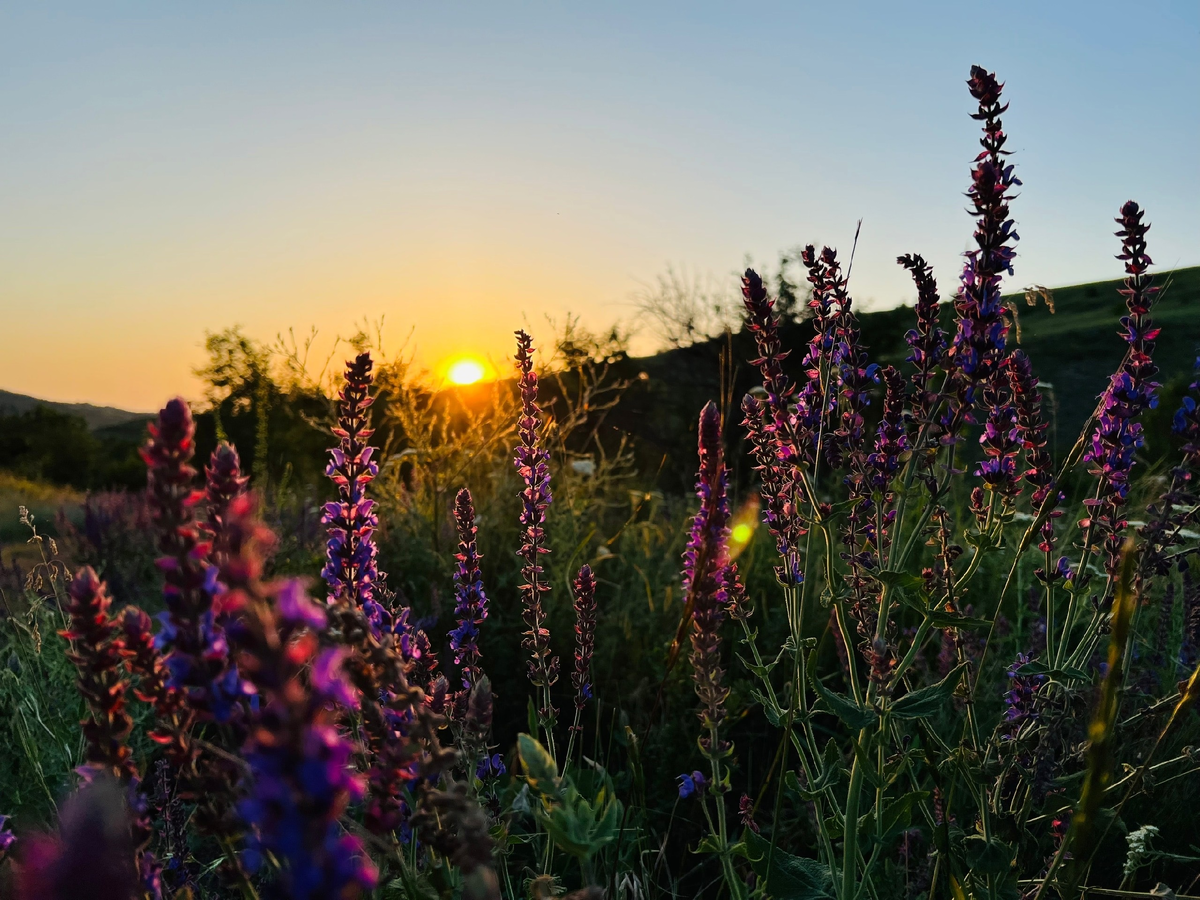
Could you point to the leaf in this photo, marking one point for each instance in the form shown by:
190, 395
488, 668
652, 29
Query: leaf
791, 877
855, 716
896, 816
540, 770
768, 707
986, 857
927, 701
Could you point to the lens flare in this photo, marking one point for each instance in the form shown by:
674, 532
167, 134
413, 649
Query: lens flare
465, 371
743, 526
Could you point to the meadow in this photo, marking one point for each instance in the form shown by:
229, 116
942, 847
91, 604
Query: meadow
829, 606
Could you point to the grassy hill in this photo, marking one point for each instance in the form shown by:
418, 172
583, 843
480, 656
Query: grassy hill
96, 417
1073, 349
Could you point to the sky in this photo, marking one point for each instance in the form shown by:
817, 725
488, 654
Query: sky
462, 170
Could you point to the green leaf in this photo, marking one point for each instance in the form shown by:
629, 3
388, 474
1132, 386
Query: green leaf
791, 877
768, 707
540, 770
855, 716
987, 857
927, 701
896, 816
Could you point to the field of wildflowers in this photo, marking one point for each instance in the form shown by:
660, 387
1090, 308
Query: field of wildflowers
904, 650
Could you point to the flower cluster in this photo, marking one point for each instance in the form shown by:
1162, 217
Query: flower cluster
585, 637
1020, 700
470, 602
533, 465
1131, 391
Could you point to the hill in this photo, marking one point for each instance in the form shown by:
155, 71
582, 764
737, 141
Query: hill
96, 417
1074, 349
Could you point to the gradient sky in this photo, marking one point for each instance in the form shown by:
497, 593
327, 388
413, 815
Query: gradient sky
464, 169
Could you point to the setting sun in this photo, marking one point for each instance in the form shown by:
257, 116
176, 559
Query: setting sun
465, 371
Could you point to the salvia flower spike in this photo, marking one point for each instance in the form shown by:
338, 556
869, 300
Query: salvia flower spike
351, 570
532, 462
470, 601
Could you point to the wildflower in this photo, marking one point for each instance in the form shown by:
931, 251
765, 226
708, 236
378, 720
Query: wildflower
92, 850
223, 481
96, 654
532, 463
490, 766
779, 493
470, 607
838, 347
196, 651
927, 341
452, 823
1118, 433
585, 638
891, 441
705, 561
301, 772
1140, 850
1020, 699
350, 569
979, 342
7, 838
694, 784
1001, 441
746, 813
782, 436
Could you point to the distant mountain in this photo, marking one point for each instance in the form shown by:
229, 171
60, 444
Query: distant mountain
97, 417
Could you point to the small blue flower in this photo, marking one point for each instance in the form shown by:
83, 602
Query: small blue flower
695, 783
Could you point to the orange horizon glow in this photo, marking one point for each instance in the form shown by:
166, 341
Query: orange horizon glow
466, 370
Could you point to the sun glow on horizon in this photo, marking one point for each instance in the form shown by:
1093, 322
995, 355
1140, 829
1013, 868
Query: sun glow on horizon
465, 371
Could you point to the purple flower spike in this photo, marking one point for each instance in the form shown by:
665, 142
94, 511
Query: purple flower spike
196, 652
781, 435
1131, 391
7, 838
1021, 698
927, 341
301, 765
223, 482
350, 568
585, 637
470, 602
533, 465
705, 575
979, 343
